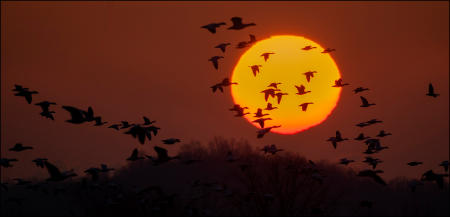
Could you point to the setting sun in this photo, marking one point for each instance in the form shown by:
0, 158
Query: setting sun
288, 59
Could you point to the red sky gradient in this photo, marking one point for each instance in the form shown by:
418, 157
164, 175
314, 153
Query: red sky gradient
129, 59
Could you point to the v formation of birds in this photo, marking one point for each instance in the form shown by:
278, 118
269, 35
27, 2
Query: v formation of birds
143, 131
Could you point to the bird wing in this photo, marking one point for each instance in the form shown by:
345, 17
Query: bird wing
146, 120
364, 100
215, 63
134, 154
236, 21
29, 98
338, 134
52, 170
308, 77
162, 152
430, 89
74, 112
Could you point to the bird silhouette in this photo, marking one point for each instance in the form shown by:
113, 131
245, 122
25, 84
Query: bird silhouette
271, 149
301, 90
147, 121
309, 47
39, 162
115, 126
260, 133
18, 147
259, 113
89, 114
279, 96
45, 105
346, 161
222, 46
170, 141
339, 137
255, 69
244, 44
237, 24
374, 175
162, 156
48, 114
76, 114
305, 105
241, 113
431, 91
140, 133
237, 107
328, 50
361, 137
383, 134
270, 107
18, 88
134, 156
226, 82
309, 75
269, 92
213, 26
365, 103
261, 121
274, 85
338, 83
360, 89
445, 165
27, 94
217, 87
98, 121
372, 162
5, 162
56, 175
215, 61
431, 176
266, 55
125, 125
414, 163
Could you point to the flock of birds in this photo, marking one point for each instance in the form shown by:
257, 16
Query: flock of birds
143, 131
373, 144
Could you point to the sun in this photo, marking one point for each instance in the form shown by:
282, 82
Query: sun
291, 58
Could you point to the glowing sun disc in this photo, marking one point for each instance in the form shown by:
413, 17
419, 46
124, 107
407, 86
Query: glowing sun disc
286, 66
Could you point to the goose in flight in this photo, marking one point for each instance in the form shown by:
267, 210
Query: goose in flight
333, 141
48, 114
213, 26
162, 156
372, 162
217, 87
328, 50
241, 113
115, 126
414, 163
309, 47
263, 131
363, 124
18, 147
170, 141
365, 103
305, 105
374, 175
431, 91
266, 55
39, 162
338, 83
279, 96
226, 82
45, 105
147, 121
222, 46
125, 125
255, 69
89, 114
309, 75
18, 88
215, 61
259, 114
274, 85
301, 90
76, 114
244, 44
339, 137
269, 92
237, 23
134, 156
237, 107
5, 162
55, 174
383, 134
270, 107
431, 176
360, 89
98, 121
27, 94
261, 121
346, 161
362, 137
445, 165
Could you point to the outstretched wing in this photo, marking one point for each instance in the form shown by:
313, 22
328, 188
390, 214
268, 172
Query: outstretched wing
74, 112
53, 171
236, 21
162, 152
430, 89
364, 100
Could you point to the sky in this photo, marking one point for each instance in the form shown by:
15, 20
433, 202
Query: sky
129, 59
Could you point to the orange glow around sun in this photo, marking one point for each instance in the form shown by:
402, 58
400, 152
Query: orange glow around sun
286, 66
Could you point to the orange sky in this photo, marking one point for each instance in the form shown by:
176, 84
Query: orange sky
128, 59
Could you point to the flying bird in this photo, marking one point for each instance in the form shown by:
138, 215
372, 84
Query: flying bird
147, 121
217, 87
301, 90
272, 149
274, 85
269, 92
431, 91
360, 89
373, 121
259, 114
270, 107
213, 26
89, 115
305, 105
222, 46
237, 107
18, 147
328, 50
134, 156
48, 114
226, 82
215, 61
27, 94
237, 23
365, 103
309, 75
104, 168
374, 175
255, 69
76, 114
262, 132
309, 47
361, 137
56, 175
170, 141
266, 55
414, 163
279, 96
162, 156
261, 121
383, 134
125, 125
18, 88
45, 105
338, 83
363, 124
244, 44
241, 113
